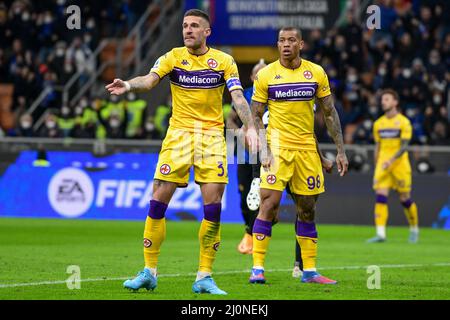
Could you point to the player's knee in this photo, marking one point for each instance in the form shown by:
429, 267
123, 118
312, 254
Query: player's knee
404, 196
269, 208
307, 215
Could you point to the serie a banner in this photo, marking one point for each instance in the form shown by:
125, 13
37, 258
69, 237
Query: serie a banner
80, 185
256, 22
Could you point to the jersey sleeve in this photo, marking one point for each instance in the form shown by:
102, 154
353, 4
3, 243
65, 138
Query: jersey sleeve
260, 88
376, 136
406, 130
232, 75
323, 88
164, 65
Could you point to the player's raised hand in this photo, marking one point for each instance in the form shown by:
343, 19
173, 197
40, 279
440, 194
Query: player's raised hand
117, 87
342, 163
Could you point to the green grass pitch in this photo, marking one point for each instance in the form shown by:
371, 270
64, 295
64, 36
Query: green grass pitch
35, 254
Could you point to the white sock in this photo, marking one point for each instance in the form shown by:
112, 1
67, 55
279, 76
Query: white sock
201, 275
152, 271
414, 229
310, 270
381, 231
258, 268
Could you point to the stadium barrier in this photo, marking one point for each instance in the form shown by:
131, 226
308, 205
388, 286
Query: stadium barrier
112, 179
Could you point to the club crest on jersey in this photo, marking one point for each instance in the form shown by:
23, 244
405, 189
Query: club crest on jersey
165, 169
260, 237
308, 74
216, 246
271, 179
147, 243
212, 63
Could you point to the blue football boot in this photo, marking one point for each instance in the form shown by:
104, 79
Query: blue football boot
207, 285
144, 279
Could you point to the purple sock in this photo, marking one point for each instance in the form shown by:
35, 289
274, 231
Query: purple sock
157, 209
305, 229
381, 198
408, 203
212, 212
263, 227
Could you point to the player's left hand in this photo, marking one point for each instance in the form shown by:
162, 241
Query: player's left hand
342, 163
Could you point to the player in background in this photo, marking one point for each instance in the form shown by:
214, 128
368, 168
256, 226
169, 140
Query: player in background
392, 133
198, 75
289, 87
245, 171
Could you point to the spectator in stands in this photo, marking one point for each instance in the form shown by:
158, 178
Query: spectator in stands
78, 54
149, 131
115, 125
25, 126
162, 116
50, 128
136, 111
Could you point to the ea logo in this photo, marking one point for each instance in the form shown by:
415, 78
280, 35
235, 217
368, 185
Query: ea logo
307, 74
212, 63
70, 192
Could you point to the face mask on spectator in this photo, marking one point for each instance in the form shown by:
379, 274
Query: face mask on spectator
367, 124
114, 123
26, 16
90, 24
373, 110
87, 38
25, 124
352, 96
48, 19
352, 78
83, 103
437, 99
50, 124
406, 73
78, 111
149, 126
410, 113
65, 111
131, 96
60, 52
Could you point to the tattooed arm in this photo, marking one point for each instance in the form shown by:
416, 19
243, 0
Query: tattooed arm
244, 113
242, 108
334, 129
266, 154
399, 153
138, 84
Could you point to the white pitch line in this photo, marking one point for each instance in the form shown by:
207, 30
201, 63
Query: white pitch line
176, 275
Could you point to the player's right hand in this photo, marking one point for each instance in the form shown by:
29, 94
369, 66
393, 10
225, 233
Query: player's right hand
117, 87
267, 159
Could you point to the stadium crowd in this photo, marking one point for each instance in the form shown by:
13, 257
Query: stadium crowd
410, 53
